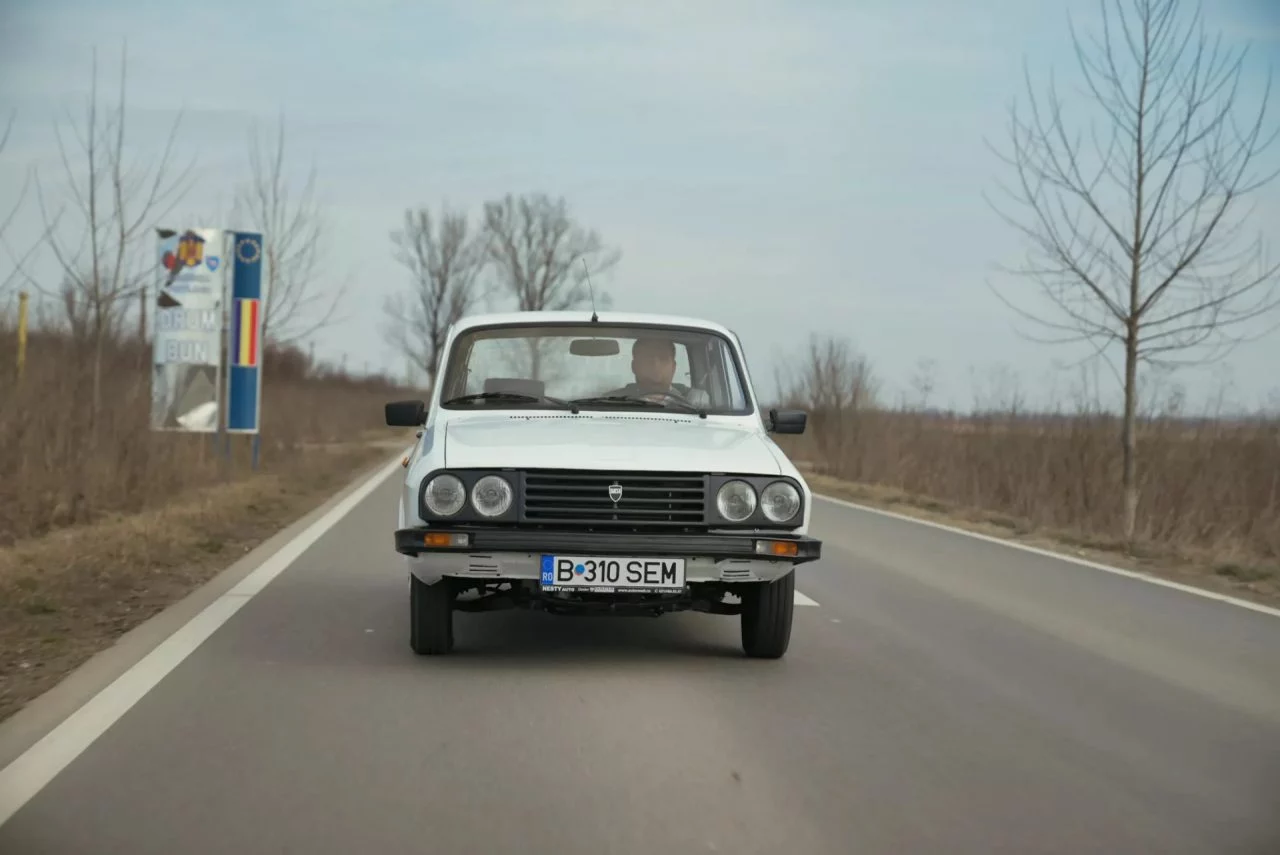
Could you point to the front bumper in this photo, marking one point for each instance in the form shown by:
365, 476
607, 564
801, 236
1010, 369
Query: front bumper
517, 554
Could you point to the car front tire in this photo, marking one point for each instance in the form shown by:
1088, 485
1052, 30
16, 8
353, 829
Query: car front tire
767, 609
430, 617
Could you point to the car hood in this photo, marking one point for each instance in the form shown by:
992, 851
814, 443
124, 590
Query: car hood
607, 441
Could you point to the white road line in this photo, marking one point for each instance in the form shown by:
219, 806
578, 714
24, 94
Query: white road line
802, 600
1083, 562
27, 775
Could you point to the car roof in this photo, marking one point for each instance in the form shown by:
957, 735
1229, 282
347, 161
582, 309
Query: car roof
584, 316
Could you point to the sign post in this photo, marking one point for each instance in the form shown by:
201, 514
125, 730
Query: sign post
22, 332
244, 339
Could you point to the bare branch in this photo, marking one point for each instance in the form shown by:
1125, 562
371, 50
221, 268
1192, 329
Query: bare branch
293, 231
443, 262
542, 257
22, 193
7, 220
102, 268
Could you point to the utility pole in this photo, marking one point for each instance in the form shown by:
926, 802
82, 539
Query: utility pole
23, 298
142, 327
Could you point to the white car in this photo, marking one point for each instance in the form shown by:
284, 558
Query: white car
619, 463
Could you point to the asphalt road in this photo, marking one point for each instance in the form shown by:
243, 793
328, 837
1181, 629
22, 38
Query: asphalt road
945, 695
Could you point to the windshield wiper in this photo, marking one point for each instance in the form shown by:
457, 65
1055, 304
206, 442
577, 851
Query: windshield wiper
514, 397
633, 399
688, 408
618, 399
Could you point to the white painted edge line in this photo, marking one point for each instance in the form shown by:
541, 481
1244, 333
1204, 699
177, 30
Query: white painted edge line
802, 600
1071, 559
39, 764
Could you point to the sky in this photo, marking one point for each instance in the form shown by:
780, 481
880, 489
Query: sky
789, 169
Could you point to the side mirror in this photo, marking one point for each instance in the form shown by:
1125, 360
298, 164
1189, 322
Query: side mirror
406, 413
788, 421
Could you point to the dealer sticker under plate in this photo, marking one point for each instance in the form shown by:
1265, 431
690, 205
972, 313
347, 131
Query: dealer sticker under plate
610, 574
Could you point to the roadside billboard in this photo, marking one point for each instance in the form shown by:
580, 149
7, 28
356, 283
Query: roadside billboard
188, 330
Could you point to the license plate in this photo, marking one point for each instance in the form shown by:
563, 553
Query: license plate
608, 574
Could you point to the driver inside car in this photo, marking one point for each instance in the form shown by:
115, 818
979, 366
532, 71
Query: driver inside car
653, 362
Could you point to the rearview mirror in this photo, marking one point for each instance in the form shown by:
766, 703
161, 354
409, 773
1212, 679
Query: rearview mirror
594, 347
788, 421
406, 413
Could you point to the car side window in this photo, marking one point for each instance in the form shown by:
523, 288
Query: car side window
722, 376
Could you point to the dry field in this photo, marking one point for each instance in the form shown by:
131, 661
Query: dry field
1209, 489
103, 523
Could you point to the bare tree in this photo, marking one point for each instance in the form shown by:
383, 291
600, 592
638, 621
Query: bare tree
443, 262
118, 202
924, 381
1135, 242
544, 259
837, 385
293, 232
541, 257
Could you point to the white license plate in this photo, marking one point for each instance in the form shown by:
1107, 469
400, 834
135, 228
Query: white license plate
609, 574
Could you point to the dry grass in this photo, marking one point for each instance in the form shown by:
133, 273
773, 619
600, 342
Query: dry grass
63, 465
104, 523
1210, 488
69, 594
1251, 580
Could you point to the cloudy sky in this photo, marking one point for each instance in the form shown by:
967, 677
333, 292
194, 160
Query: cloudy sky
787, 168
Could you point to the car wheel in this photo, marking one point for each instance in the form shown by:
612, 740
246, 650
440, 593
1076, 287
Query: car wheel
430, 617
767, 609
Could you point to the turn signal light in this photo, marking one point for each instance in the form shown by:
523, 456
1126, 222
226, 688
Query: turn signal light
783, 548
445, 538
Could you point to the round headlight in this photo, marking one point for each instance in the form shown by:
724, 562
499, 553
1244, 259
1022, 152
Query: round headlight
492, 495
445, 495
780, 501
736, 501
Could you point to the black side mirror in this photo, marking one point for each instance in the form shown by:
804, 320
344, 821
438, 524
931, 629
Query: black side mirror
406, 413
788, 421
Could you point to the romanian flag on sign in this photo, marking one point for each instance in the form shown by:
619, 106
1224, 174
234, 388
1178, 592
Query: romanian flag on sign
245, 352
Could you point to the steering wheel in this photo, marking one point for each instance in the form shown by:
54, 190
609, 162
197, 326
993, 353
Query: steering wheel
670, 393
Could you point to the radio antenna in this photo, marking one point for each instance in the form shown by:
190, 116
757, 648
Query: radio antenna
590, 290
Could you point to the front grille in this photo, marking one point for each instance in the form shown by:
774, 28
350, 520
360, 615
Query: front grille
582, 497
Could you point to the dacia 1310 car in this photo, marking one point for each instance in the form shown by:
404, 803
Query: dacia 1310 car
582, 463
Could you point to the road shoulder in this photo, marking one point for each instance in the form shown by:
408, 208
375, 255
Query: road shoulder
38, 706
1230, 576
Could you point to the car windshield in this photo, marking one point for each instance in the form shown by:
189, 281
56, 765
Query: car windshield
595, 366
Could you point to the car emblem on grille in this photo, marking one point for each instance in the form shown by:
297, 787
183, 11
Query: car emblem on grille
615, 492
